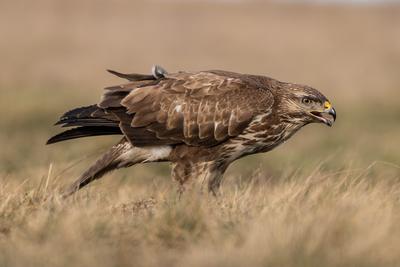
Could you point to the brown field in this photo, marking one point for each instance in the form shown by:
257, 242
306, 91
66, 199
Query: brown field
328, 197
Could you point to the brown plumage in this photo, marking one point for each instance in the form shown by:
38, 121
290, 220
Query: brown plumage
199, 121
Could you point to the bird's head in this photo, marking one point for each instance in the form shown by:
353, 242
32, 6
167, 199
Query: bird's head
303, 104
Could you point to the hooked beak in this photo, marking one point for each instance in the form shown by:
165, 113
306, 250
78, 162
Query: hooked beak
327, 116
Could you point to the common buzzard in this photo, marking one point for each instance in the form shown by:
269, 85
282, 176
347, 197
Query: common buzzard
199, 121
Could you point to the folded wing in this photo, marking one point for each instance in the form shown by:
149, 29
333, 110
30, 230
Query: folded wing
203, 108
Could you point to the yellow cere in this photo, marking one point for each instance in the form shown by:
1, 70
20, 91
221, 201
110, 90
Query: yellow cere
327, 105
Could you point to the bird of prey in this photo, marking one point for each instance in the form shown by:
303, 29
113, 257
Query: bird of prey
200, 122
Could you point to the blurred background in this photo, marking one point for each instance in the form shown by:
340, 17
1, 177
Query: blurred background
53, 57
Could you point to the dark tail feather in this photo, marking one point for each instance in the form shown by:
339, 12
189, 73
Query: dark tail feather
108, 162
89, 122
87, 116
80, 112
84, 131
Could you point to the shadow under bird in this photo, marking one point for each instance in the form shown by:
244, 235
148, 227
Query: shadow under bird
199, 121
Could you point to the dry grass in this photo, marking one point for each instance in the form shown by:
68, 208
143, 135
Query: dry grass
349, 218
329, 197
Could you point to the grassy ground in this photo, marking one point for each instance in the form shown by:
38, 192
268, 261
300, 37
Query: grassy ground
327, 197
344, 218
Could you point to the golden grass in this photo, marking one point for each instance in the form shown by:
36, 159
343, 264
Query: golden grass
347, 218
328, 197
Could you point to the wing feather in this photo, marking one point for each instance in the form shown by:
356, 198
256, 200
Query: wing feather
203, 108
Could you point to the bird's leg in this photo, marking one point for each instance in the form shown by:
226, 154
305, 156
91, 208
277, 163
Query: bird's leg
213, 188
216, 175
199, 176
180, 191
181, 174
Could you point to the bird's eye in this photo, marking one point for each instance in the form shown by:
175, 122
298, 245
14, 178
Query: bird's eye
306, 101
